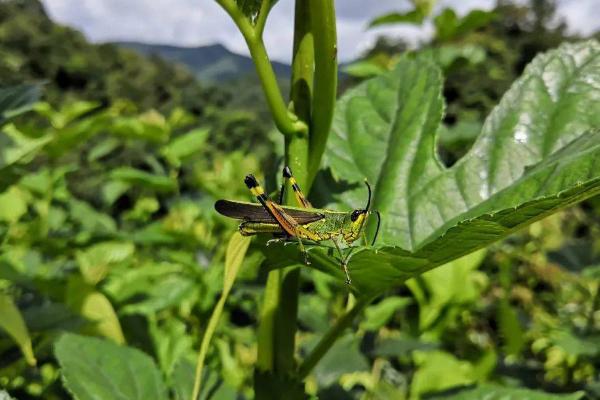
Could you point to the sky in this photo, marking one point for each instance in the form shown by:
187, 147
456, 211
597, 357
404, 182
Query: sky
203, 22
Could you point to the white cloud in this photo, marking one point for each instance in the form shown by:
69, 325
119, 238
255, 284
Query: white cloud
202, 22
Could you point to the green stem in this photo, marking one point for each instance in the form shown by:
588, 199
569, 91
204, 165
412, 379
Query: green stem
266, 329
325, 82
261, 20
331, 336
286, 122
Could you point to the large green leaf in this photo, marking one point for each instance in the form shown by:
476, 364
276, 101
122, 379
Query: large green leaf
539, 151
494, 392
95, 369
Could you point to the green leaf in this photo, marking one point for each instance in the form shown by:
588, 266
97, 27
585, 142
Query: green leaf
168, 292
171, 344
538, 151
13, 204
15, 100
234, 256
95, 261
343, 357
417, 16
451, 283
144, 179
439, 371
510, 328
95, 307
495, 392
364, 69
12, 323
412, 17
95, 369
185, 145
379, 314
150, 126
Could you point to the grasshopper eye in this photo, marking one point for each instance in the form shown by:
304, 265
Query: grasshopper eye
355, 215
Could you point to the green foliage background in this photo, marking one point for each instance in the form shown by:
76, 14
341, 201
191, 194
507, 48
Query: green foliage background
107, 229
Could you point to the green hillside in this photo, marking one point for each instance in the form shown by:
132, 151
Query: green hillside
209, 63
34, 48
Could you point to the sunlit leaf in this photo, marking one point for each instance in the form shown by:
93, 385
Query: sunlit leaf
343, 357
11, 321
95, 307
451, 283
13, 204
439, 371
96, 369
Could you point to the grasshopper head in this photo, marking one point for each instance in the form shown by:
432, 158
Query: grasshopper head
359, 217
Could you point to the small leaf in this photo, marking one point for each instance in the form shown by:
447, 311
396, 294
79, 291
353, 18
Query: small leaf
12, 323
451, 283
510, 328
168, 292
343, 357
13, 204
379, 314
95, 307
185, 145
95, 369
95, 261
144, 179
411, 17
439, 371
171, 343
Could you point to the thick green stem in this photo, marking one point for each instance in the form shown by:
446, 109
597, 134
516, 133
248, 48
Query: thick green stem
325, 83
277, 332
331, 336
314, 66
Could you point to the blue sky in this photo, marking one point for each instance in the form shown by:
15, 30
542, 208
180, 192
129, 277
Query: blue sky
202, 22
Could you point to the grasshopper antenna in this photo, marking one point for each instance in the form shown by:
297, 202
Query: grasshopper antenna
375, 212
369, 198
376, 230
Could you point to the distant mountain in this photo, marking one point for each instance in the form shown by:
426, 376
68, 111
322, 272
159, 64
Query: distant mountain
209, 63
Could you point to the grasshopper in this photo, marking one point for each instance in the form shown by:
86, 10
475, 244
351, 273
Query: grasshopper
298, 223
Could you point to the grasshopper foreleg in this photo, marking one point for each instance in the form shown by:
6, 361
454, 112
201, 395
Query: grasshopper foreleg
343, 261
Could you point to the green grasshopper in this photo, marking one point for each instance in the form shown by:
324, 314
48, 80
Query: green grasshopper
297, 223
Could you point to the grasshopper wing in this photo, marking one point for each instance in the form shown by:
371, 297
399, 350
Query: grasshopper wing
257, 213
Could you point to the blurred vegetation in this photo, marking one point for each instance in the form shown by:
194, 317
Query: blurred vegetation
107, 228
